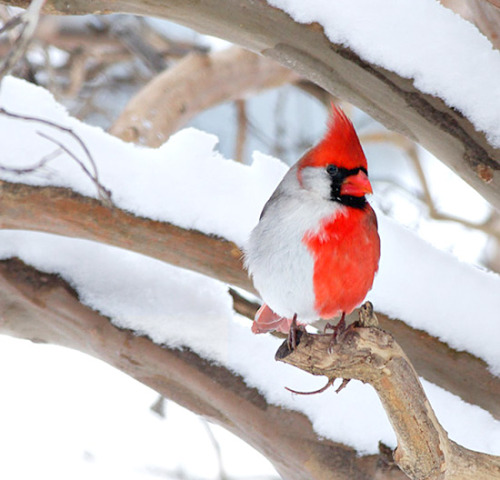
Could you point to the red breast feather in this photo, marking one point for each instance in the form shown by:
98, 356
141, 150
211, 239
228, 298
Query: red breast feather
346, 251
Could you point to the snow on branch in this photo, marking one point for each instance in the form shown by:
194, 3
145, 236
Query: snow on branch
43, 308
199, 221
63, 212
392, 98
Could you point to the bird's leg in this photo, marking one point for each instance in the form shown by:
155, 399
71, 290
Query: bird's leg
340, 327
292, 334
337, 330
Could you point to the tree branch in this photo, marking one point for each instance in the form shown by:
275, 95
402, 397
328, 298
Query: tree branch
195, 84
264, 29
373, 356
43, 308
62, 212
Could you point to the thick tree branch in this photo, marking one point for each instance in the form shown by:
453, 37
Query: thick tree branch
392, 100
43, 308
62, 212
195, 84
372, 355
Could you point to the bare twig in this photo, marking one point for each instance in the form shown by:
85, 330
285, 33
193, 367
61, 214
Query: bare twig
487, 227
103, 193
36, 166
242, 125
217, 448
28, 21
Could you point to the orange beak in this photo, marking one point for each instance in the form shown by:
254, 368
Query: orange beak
356, 185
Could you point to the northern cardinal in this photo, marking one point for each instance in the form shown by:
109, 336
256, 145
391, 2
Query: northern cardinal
315, 251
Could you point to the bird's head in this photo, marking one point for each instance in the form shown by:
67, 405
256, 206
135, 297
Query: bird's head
336, 168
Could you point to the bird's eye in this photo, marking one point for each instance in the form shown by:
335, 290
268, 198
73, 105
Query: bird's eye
332, 170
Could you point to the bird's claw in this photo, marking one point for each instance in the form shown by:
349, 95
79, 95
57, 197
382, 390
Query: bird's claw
293, 334
337, 331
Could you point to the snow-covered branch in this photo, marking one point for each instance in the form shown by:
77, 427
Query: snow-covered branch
199, 222
43, 308
425, 118
63, 212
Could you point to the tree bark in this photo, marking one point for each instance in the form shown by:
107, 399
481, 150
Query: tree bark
389, 98
41, 307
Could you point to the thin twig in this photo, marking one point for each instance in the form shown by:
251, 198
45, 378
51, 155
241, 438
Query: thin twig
217, 448
12, 23
32, 168
242, 124
29, 21
103, 193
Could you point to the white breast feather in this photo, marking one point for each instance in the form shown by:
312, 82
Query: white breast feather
276, 257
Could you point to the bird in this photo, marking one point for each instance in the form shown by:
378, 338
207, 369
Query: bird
315, 251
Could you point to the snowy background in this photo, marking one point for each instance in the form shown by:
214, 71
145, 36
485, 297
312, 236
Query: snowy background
73, 416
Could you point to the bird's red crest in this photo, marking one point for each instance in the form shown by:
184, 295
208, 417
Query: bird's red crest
339, 146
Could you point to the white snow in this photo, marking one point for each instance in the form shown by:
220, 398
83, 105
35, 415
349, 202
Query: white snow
188, 183
77, 417
432, 291
444, 54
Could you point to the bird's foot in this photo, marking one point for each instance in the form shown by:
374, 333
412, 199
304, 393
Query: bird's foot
337, 331
294, 334
321, 390
329, 384
268, 321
